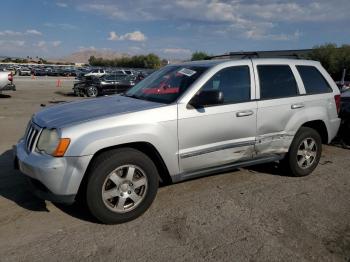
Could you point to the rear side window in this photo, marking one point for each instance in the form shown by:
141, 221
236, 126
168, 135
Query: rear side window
276, 81
233, 82
313, 80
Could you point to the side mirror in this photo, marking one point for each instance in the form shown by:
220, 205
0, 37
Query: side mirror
207, 98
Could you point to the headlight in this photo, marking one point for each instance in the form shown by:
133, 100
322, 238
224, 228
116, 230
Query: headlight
51, 143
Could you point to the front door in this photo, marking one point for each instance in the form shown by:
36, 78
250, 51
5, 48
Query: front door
220, 134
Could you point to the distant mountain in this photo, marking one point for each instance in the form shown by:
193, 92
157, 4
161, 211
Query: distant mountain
84, 55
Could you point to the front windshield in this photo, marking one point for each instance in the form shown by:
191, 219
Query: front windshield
167, 84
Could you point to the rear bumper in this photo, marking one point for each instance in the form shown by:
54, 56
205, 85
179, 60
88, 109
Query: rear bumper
333, 127
9, 87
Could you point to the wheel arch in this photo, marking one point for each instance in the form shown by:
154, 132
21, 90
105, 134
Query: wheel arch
146, 148
320, 127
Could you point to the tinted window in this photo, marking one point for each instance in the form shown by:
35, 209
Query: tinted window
313, 80
276, 81
233, 82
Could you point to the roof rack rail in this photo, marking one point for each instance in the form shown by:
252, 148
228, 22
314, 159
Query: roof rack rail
263, 54
232, 54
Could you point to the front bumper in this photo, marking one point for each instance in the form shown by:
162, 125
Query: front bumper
55, 179
9, 87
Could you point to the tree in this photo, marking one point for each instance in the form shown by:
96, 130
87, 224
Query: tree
140, 61
7, 60
92, 60
199, 55
333, 58
152, 61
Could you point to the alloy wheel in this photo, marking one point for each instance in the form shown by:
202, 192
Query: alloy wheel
124, 188
307, 153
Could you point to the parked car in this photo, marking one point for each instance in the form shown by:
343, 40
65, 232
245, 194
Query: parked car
68, 72
24, 71
53, 72
96, 72
39, 72
80, 73
182, 122
124, 72
344, 131
79, 87
6, 81
11, 69
109, 84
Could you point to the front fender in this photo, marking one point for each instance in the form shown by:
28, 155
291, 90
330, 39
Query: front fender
163, 136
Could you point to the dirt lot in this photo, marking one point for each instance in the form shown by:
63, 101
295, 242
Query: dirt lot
254, 214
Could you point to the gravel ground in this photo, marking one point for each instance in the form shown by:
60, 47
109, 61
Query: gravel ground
252, 214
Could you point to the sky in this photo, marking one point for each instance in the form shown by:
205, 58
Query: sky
171, 29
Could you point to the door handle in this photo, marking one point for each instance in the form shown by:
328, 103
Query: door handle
244, 113
296, 106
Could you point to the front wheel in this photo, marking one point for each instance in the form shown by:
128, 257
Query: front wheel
304, 153
122, 184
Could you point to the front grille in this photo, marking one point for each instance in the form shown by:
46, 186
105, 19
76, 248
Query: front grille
31, 137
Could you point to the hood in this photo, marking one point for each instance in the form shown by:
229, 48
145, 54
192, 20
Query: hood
84, 110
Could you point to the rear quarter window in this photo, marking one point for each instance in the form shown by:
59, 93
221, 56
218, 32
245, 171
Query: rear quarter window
276, 81
313, 80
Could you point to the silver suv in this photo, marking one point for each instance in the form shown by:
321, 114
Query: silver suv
181, 122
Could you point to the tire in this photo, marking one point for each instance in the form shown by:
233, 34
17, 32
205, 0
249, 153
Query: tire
110, 193
302, 160
92, 91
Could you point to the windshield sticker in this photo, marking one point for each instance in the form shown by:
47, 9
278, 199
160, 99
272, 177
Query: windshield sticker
187, 72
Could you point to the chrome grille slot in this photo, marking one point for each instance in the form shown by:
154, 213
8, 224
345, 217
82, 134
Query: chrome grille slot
29, 134
31, 137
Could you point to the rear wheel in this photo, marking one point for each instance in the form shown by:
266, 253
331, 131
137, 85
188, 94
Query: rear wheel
122, 185
304, 153
92, 91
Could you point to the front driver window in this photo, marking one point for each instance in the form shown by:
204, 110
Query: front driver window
233, 82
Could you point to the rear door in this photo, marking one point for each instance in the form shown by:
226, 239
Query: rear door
279, 101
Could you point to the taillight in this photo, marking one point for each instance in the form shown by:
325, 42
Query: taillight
10, 77
337, 102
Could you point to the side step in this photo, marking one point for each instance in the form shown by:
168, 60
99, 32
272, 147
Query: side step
225, 168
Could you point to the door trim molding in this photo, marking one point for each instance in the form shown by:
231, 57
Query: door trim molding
225, 168
216, 148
